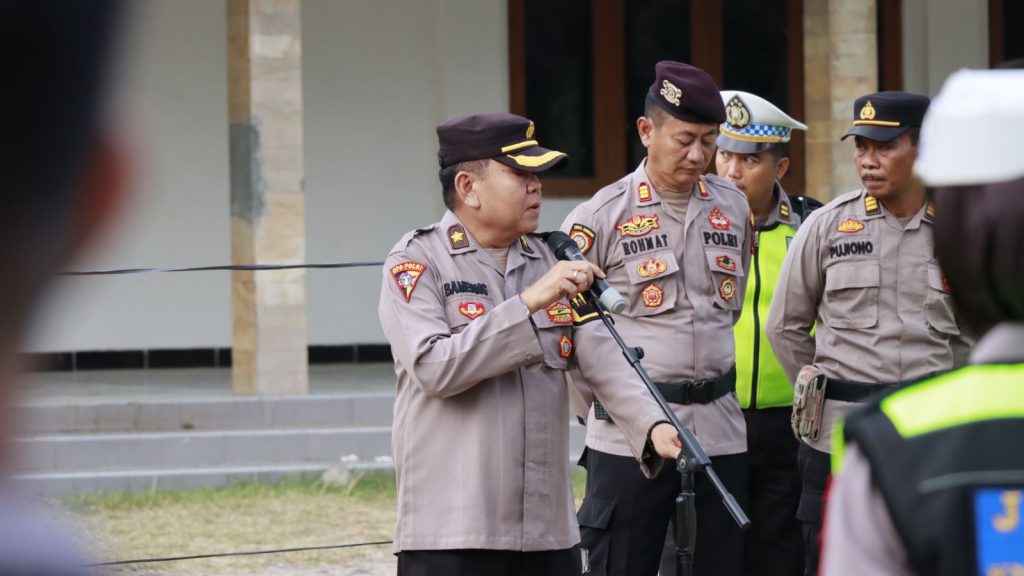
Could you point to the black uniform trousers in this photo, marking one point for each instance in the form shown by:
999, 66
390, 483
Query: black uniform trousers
815, 468
624, 517
775, 544
489, 563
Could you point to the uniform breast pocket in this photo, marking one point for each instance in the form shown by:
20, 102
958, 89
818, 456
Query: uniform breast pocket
463, 309
851, 295
653, 286
554, 326
938, 305
726, 270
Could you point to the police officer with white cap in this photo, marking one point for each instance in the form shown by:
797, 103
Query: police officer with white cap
930, 479
753, 152
861, 305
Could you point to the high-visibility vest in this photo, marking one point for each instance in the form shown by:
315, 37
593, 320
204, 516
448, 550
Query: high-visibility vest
760, 380
947, 455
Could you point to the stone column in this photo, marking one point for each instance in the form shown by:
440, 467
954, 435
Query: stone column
840, 64
267, 208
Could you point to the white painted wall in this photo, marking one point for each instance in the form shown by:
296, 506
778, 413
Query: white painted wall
939, 38
378, 74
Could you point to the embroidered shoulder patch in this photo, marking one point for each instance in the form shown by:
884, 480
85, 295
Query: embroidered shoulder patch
565, 346
727, 289
583, 237
726, 263
652, 296
406, 275
471, 310
718, 220
559, 313
651, 267
850, 225
638, 225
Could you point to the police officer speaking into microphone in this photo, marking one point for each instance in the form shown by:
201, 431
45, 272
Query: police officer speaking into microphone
861, 272
753, 154
930, 479
676, 244
477, 312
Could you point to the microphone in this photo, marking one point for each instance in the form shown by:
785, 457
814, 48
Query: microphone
565, 248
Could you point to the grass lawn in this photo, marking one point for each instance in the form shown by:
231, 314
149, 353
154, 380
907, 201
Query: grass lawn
291, 513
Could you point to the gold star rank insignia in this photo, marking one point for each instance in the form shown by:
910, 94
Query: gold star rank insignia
457, 237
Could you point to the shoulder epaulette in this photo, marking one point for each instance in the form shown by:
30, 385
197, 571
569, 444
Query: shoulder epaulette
871, 207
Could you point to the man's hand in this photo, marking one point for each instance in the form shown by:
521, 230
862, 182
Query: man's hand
565, 280
666, 440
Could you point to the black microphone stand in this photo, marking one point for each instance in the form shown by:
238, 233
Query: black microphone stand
692, 458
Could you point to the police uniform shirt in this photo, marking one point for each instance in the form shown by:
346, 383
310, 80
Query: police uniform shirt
684, 278
858, 521
480, 434
877, 294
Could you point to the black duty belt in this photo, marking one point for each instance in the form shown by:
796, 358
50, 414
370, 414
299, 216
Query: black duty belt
699, 392
850, 391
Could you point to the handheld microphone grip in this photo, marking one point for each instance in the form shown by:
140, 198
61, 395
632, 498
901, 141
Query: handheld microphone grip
565, 248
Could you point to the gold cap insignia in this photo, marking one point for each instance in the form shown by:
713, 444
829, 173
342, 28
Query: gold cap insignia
867, 112
529, 131
670, 92
736, 113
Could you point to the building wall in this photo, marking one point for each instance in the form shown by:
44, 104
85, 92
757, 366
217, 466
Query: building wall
378, 76
939, 38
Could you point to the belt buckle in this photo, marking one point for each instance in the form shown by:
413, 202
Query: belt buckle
700, 391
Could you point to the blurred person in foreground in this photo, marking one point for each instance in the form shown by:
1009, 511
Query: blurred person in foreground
929, 479
61, 180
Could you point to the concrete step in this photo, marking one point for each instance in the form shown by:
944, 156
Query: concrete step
60, 484
227, 413
198, 449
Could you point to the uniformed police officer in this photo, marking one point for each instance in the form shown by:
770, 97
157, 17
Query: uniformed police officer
932, 476
861, 273
478, 316
753, 154
677, 245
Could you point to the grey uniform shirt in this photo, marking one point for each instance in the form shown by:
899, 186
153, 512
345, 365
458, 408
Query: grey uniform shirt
860, 535
480, 436
876, 292
684, 278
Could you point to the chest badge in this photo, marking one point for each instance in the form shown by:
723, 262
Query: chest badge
406, 275
718, 220
583, 237
652, 267
471, 310
565, 346
727, 289
850, 225
638, 225
652, 296
726, 263
559, 313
